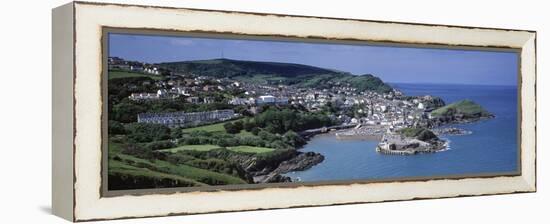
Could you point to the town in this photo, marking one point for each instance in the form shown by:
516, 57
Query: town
374, 111
241, 122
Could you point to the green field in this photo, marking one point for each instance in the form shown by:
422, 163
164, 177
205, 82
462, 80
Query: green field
215, 128
191, 147
125, 74
241, 148
131, 166
209, 128
250, 149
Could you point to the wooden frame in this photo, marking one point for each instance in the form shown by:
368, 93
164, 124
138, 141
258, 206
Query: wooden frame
77, 110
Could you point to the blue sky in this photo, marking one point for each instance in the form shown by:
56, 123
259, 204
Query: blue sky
391, 64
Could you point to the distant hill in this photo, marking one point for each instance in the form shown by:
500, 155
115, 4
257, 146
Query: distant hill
275, 72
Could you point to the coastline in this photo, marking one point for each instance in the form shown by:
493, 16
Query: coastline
363, 162
375, 133
329, 132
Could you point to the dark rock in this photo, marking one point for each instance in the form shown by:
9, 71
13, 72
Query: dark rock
451, 131
302, 161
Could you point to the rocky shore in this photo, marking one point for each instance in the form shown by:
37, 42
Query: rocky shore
451, 131
303, 161
400, 141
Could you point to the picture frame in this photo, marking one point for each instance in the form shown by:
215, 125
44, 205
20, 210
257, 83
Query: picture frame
79, 150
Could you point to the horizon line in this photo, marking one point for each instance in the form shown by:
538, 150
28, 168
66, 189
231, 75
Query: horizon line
446, 83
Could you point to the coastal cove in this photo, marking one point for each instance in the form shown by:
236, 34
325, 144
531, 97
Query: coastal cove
492, 146
229, 121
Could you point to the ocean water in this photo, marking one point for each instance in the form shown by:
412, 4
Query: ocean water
491, 148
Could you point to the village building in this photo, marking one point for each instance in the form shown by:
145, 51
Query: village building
144, 96
183, 119
193, 99
268, 99
136, 68
241, 101
161, 94
152, 70
208, 100
209, 88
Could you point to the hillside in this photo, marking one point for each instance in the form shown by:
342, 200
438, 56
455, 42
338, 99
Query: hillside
131, 172
421, 134
464, 109
276, 73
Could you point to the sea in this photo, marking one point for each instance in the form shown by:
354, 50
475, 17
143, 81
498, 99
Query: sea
492, 148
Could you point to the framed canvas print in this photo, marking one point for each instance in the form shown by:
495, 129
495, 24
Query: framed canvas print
164, 111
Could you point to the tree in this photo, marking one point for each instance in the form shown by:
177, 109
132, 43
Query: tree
252, 141
268, 136
126, 111
238, 125
145, 132
242, 109
282, 120
176, 133
227, 142
293, 139
164, 144
249, 124
116, 128
230, 128
278, 144
255, 130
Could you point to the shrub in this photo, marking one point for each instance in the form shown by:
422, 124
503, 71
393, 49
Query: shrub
144, 132
179, 158
255, 130
293, 139
116, 128
165, 144
249, 125
267, 136
252, 141
231, 128
138, 151
176, 133
238, 125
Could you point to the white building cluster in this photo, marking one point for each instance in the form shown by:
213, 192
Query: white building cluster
261, 100
160, 94
182, 119
119, 63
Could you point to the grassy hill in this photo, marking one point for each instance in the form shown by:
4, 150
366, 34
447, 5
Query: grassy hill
277, 73
463, 108
131, 172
